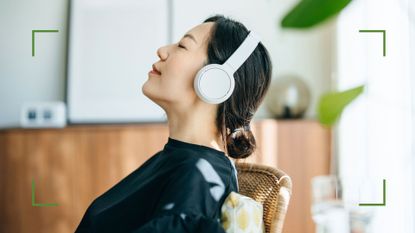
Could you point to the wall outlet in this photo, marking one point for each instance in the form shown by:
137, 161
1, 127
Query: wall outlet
43, 115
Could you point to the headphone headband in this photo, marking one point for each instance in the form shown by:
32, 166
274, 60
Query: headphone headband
214, 83
242, 53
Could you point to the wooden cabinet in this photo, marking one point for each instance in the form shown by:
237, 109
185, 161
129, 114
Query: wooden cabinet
301, 148
74, 165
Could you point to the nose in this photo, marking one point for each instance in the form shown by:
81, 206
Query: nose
162, 53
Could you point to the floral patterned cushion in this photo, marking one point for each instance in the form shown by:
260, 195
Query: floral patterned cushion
242, 214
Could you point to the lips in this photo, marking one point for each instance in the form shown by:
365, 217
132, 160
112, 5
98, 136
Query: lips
155, 70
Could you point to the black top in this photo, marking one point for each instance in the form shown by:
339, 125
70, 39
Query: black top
179, 189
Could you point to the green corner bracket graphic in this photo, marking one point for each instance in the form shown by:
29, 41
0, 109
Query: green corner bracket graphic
39, 204
384, 38
33, 38
378, 204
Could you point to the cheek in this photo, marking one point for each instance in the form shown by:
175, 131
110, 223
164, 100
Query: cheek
183, 66
181, 74
181, 88
177, 81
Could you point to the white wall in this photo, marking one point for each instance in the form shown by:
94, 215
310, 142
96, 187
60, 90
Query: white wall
23, 77
307, 54
42, 78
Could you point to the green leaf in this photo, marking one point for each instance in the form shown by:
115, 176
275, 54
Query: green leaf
332, 104
308, 13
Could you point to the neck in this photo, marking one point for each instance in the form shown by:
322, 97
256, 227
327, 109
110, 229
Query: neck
196, 126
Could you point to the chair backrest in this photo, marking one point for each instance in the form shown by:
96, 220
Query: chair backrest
269, 186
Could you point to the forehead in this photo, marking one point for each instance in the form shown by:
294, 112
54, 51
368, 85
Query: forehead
201, 32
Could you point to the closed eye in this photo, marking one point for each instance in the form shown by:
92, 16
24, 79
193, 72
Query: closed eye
181, 46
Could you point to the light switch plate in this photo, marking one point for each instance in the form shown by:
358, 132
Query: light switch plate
43, 115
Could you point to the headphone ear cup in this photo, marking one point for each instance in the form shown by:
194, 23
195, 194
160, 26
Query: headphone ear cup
214, 84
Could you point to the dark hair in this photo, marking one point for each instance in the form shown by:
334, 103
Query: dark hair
252, 81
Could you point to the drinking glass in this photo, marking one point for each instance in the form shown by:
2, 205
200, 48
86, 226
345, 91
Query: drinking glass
335, 204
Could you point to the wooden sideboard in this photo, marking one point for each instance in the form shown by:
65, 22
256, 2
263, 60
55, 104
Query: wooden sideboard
74, 165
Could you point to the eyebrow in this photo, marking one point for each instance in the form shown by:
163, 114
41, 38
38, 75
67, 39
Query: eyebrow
191, 37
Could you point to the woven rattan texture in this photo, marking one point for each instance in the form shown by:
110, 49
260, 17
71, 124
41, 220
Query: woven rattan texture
269, 186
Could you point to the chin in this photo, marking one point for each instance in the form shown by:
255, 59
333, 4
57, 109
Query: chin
143, 89
146, 90
150, 93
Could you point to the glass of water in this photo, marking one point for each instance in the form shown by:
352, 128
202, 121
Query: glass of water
335, 206
327, 208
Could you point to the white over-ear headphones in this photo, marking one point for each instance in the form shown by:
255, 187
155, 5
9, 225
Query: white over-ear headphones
214, 83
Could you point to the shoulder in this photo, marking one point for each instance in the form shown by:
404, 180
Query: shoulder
194, 182
186, 166
192, 166
192, 161
196, 168
192, 173
193, 187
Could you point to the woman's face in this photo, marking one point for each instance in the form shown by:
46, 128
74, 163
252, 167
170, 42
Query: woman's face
171, 78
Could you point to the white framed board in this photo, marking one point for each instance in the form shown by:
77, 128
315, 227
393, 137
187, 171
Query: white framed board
112, 45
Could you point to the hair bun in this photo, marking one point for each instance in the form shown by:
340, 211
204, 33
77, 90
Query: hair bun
240, 143
252, 81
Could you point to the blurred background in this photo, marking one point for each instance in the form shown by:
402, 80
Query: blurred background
73, 120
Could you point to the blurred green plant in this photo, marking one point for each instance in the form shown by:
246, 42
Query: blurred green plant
332, 104
308, 13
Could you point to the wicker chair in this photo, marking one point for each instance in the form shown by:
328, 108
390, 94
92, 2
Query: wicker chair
269, 186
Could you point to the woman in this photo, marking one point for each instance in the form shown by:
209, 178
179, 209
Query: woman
182, 187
